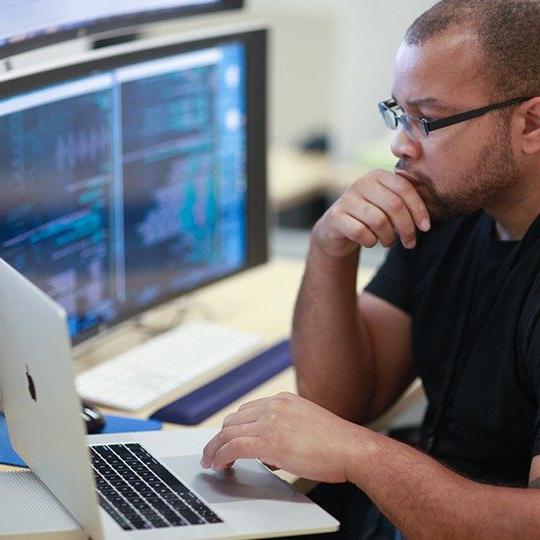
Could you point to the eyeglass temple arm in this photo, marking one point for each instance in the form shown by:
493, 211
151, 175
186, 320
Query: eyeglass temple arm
432, 125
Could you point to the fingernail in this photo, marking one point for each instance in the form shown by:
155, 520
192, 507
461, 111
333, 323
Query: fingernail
425, 225
203, 464
411, 244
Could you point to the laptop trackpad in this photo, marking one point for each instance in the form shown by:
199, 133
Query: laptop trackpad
247, 480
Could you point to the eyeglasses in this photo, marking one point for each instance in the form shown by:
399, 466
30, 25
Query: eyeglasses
420, 128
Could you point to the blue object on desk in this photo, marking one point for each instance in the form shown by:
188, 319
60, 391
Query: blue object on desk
113, 424
205, 401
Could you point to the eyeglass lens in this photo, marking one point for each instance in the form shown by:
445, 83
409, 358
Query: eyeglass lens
392, 119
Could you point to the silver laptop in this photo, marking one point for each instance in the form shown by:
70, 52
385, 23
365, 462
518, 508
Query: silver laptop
141, 485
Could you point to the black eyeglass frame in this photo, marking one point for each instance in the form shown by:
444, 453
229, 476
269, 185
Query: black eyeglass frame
432, 125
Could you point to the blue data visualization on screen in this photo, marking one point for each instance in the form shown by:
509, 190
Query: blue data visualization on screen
127, 187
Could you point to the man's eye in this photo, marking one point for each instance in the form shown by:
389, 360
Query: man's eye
429, 117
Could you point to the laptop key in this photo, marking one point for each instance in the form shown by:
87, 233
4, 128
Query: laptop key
158, 522
173, 518
118, 517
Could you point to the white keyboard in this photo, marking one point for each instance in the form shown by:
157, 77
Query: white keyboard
167, 366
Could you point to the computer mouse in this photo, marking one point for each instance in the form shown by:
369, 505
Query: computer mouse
93, 419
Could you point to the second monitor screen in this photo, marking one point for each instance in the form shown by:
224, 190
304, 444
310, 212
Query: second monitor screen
123, 188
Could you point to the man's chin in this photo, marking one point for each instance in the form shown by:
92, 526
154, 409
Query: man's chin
445, 211
440, 207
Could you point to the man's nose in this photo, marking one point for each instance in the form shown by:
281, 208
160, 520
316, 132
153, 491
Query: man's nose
404, 147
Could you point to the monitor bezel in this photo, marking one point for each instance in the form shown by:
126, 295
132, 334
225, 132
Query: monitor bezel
112, 26
257, 213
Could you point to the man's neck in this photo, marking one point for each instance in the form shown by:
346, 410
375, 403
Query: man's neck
514, 227
515, 212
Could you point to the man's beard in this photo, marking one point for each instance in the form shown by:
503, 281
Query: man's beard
482, 183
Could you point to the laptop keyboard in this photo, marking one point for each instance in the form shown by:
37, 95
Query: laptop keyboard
140, 493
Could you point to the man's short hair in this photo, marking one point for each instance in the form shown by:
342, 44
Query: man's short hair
508, 34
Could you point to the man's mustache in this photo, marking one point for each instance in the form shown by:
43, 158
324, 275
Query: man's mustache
415, 176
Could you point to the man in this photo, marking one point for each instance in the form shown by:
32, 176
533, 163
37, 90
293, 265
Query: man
457, 301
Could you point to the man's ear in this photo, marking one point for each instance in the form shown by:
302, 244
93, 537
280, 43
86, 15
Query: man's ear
531, 129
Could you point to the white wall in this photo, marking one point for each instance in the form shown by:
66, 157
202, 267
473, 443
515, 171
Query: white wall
352, 45
302, 67
368, 36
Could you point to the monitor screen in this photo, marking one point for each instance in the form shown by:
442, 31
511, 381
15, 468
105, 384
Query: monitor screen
129, 180
27, 24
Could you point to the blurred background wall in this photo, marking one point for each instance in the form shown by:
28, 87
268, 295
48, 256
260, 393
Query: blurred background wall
332, 62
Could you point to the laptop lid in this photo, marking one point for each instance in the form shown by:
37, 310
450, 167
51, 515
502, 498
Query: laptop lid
40, 401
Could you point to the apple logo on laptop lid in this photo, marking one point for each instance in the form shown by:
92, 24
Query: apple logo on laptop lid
31, 386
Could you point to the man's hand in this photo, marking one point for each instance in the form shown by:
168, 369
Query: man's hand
286, 432
376, 208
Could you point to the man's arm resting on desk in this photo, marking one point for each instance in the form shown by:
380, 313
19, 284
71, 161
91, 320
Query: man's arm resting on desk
421, 497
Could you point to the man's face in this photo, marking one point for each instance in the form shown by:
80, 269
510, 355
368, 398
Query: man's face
461, 168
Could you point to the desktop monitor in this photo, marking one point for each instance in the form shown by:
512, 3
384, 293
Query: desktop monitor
27, 24
132, 177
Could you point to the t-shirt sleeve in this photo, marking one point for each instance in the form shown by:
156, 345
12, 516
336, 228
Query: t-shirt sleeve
393, 281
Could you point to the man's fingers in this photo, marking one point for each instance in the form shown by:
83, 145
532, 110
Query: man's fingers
226, 435
376, 207
242, 416
242, 447
356, 230
408, 193
377, 224
255, 403
395, 210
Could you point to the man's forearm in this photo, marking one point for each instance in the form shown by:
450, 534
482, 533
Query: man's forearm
331, 347
334, 356
427, 500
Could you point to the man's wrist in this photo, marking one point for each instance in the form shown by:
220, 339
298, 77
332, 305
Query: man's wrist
318, 253
361, 450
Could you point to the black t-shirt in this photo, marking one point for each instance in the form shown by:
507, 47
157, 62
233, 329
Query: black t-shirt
475, 305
